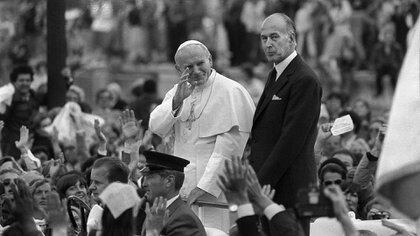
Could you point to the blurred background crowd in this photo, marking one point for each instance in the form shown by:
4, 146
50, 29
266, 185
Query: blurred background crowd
120, 56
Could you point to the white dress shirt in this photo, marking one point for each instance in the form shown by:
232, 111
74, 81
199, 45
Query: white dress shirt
283, 64
172, 200
270, 211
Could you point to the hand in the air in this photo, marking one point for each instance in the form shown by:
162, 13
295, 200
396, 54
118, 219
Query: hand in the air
183, 90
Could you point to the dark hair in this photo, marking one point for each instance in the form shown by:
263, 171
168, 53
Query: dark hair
44, 149
8, 159
150, 86
117, 170
36, 183
338, 96
123, 225
367, 105
332, 165
137, 90
67, 180
355, 118
98, 94
179, 177
20, 70
345, 152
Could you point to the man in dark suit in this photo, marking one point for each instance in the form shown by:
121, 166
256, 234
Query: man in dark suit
163, 177
285, 121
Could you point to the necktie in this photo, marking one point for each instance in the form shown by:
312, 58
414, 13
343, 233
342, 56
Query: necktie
271, 78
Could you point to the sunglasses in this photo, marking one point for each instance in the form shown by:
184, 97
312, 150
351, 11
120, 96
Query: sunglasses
336, 182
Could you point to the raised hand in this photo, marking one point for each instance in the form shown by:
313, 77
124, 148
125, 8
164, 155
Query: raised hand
233, 182
183, 90
377, 146
101, 136
130, 126
260, 197
22, 144
338, 200
268, 191
156, 216
324, 131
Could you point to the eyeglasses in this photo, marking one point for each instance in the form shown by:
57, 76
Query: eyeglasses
336, 182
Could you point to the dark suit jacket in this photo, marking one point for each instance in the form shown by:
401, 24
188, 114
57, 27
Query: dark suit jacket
182, 221
283, 223
284, 132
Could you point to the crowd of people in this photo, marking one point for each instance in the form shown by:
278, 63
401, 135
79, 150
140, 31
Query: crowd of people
336, 37
255, 151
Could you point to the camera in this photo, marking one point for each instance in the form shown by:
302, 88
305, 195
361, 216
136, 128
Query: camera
312, 203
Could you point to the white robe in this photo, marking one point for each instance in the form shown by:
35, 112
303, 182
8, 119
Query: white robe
224, 111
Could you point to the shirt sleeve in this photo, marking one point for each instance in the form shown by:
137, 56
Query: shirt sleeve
272, 210
227, 145
245, 210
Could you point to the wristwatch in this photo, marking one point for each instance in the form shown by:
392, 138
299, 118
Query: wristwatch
233, 208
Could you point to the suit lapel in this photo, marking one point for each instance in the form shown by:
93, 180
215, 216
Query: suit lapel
171, 208
269, 90
175, 205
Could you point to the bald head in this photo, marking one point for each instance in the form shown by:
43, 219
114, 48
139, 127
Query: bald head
278, 37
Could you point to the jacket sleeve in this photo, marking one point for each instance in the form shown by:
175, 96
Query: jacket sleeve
301, 114
285, 223
247, 226
365, 172
184, 225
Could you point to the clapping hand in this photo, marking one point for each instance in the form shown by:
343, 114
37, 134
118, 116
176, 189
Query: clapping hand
156, 216
233, 182
183, 90
260, 197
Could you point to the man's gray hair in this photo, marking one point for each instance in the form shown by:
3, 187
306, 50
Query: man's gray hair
290, 26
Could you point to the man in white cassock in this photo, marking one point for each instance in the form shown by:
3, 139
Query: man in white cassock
210, 117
